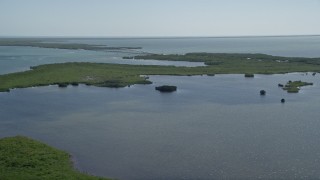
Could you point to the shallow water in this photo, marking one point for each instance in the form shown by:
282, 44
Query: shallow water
13, 59
212, 127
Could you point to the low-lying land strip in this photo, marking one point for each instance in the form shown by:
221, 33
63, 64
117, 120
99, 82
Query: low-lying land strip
24, 158
294, 86
55, 45
119, 75
229, 59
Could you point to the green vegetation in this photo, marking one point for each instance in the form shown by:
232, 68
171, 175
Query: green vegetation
119, 75
248, 64
294, 86
102, 75
24, 158
249, 75
166, 88
63, 85
41, 44
231, 59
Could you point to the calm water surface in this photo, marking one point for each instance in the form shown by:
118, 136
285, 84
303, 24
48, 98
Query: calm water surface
13, 59
21, 58
211, 128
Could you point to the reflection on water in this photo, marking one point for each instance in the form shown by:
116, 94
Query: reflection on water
212, 127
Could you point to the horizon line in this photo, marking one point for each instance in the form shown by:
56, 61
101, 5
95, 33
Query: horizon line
161, 37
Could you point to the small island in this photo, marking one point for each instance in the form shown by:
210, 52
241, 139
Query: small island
247, 75
294, 86
166, 88
263, 92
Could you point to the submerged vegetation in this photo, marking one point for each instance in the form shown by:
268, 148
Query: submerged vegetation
294, 86
24, 158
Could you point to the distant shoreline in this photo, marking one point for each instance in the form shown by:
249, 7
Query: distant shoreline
121, 75
152, 37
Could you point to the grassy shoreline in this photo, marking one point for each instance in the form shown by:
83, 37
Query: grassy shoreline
121, 75
24, 158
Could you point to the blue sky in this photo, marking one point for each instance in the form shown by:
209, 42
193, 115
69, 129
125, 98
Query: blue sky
159, 17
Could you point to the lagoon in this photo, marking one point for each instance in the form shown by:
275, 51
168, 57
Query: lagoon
211, 128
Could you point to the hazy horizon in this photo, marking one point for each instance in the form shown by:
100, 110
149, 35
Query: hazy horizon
150, 18
146, 37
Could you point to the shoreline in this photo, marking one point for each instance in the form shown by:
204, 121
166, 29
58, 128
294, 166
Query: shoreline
26, 158
114, 75
122, 75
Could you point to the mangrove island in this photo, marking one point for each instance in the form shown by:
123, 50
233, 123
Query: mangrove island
121, 75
